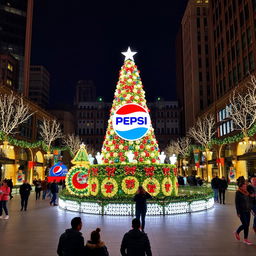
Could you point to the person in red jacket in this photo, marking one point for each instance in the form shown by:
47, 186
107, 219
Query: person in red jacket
4, 197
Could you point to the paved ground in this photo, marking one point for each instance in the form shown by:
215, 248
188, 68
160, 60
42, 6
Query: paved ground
36, 232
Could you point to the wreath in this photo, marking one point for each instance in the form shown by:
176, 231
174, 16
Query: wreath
152, 186
130, 185
167, 186
77, 181
109, 187
175, 186
94, 186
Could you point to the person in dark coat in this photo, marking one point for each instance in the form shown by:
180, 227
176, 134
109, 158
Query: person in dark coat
135, 242
96, 247
54, 191
71, 242
215, 188
252, 191
10, 185
25, 189
38, 188
223, 185
141, 205
243, 208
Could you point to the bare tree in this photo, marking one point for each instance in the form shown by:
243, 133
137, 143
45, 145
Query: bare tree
13, 112
203, 131
73, 142
183, 146
172, 148
242, 108
50, 131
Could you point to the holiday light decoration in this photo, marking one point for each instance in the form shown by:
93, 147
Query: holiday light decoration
109, 187
130, 185
152, 186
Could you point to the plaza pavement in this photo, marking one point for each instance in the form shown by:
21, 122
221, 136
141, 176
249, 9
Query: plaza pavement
36, 232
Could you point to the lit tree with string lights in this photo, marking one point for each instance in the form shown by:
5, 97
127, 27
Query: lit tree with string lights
73, 142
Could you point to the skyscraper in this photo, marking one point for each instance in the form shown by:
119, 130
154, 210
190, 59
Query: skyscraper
15, 35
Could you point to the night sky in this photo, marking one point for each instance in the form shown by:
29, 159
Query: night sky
78, 40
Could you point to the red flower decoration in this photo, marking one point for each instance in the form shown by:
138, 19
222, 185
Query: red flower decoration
130, 170
167, 187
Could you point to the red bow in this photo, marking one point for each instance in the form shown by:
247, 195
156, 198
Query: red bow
166, 171
167, 187
94, 186
149, 171
109, 188
130, 170
110, 171
151, 188
130, 183
94, 171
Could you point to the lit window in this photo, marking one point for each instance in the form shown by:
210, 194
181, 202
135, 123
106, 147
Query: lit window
9, 82
10, 67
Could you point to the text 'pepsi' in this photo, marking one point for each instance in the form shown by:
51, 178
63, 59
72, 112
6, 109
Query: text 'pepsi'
131, 120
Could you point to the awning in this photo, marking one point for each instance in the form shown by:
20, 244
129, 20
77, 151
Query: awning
247, 156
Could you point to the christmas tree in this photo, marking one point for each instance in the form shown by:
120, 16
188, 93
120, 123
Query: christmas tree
129, 89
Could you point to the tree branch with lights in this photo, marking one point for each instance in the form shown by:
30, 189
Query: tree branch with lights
50, 131
13, 112
73, 142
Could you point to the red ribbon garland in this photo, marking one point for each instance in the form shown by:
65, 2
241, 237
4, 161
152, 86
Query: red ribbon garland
166, 171
94, 171
149, 171
110, 171
94, 186
130, 183
130, 170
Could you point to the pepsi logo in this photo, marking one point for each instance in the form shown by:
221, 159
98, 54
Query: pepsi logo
59, 170
131, 122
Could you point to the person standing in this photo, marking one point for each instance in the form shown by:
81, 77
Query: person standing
71, 242
141, 205
10, 185
44, 188
4, 197
25, 189
54, 191
243, 208
95, 246
252, 191
38, 188
223, 185
215, 188
135, 242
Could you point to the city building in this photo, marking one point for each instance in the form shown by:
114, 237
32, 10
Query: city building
9, 71
194, 61
39, 86
92, 115
15, 36
232, 52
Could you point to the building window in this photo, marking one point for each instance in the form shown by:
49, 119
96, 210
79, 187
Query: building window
241, 18
251, 61
198, 22
246, 66
10, 67
9, 82
246, 12
249, 36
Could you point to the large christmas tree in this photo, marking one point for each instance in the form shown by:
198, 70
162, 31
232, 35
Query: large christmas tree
129, 89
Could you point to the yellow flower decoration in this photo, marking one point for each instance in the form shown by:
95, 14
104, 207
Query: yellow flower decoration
167, 186
94, 186
130, 185
152, 186
109, 187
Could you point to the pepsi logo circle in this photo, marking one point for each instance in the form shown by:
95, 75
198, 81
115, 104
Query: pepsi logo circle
131, 122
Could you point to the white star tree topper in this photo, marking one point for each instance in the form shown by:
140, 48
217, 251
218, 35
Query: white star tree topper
129, 54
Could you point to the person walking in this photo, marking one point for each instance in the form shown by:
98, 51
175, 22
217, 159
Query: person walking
44, 188
215, 188
10, 185
141, 205
4, 197
54, 191
25, 189
223, 185
71, 242
135, 242
96, 247
38, 188
243, 208
252, 191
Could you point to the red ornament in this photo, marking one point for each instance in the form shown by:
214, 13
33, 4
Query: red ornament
126, 147
141, 159
116, 137
141, 146
116, 146
111, 154
130, 170
108, 148
110, 171
121, 142
152, 142
120, 153
149, 171
152, 148
153, 160
136, 153
105, 161
114, 142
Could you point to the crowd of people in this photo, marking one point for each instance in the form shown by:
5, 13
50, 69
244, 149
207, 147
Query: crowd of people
71, 243
191, 180
219, 187
48, 189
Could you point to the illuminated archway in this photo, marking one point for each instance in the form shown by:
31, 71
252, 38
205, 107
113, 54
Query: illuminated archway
39, 168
